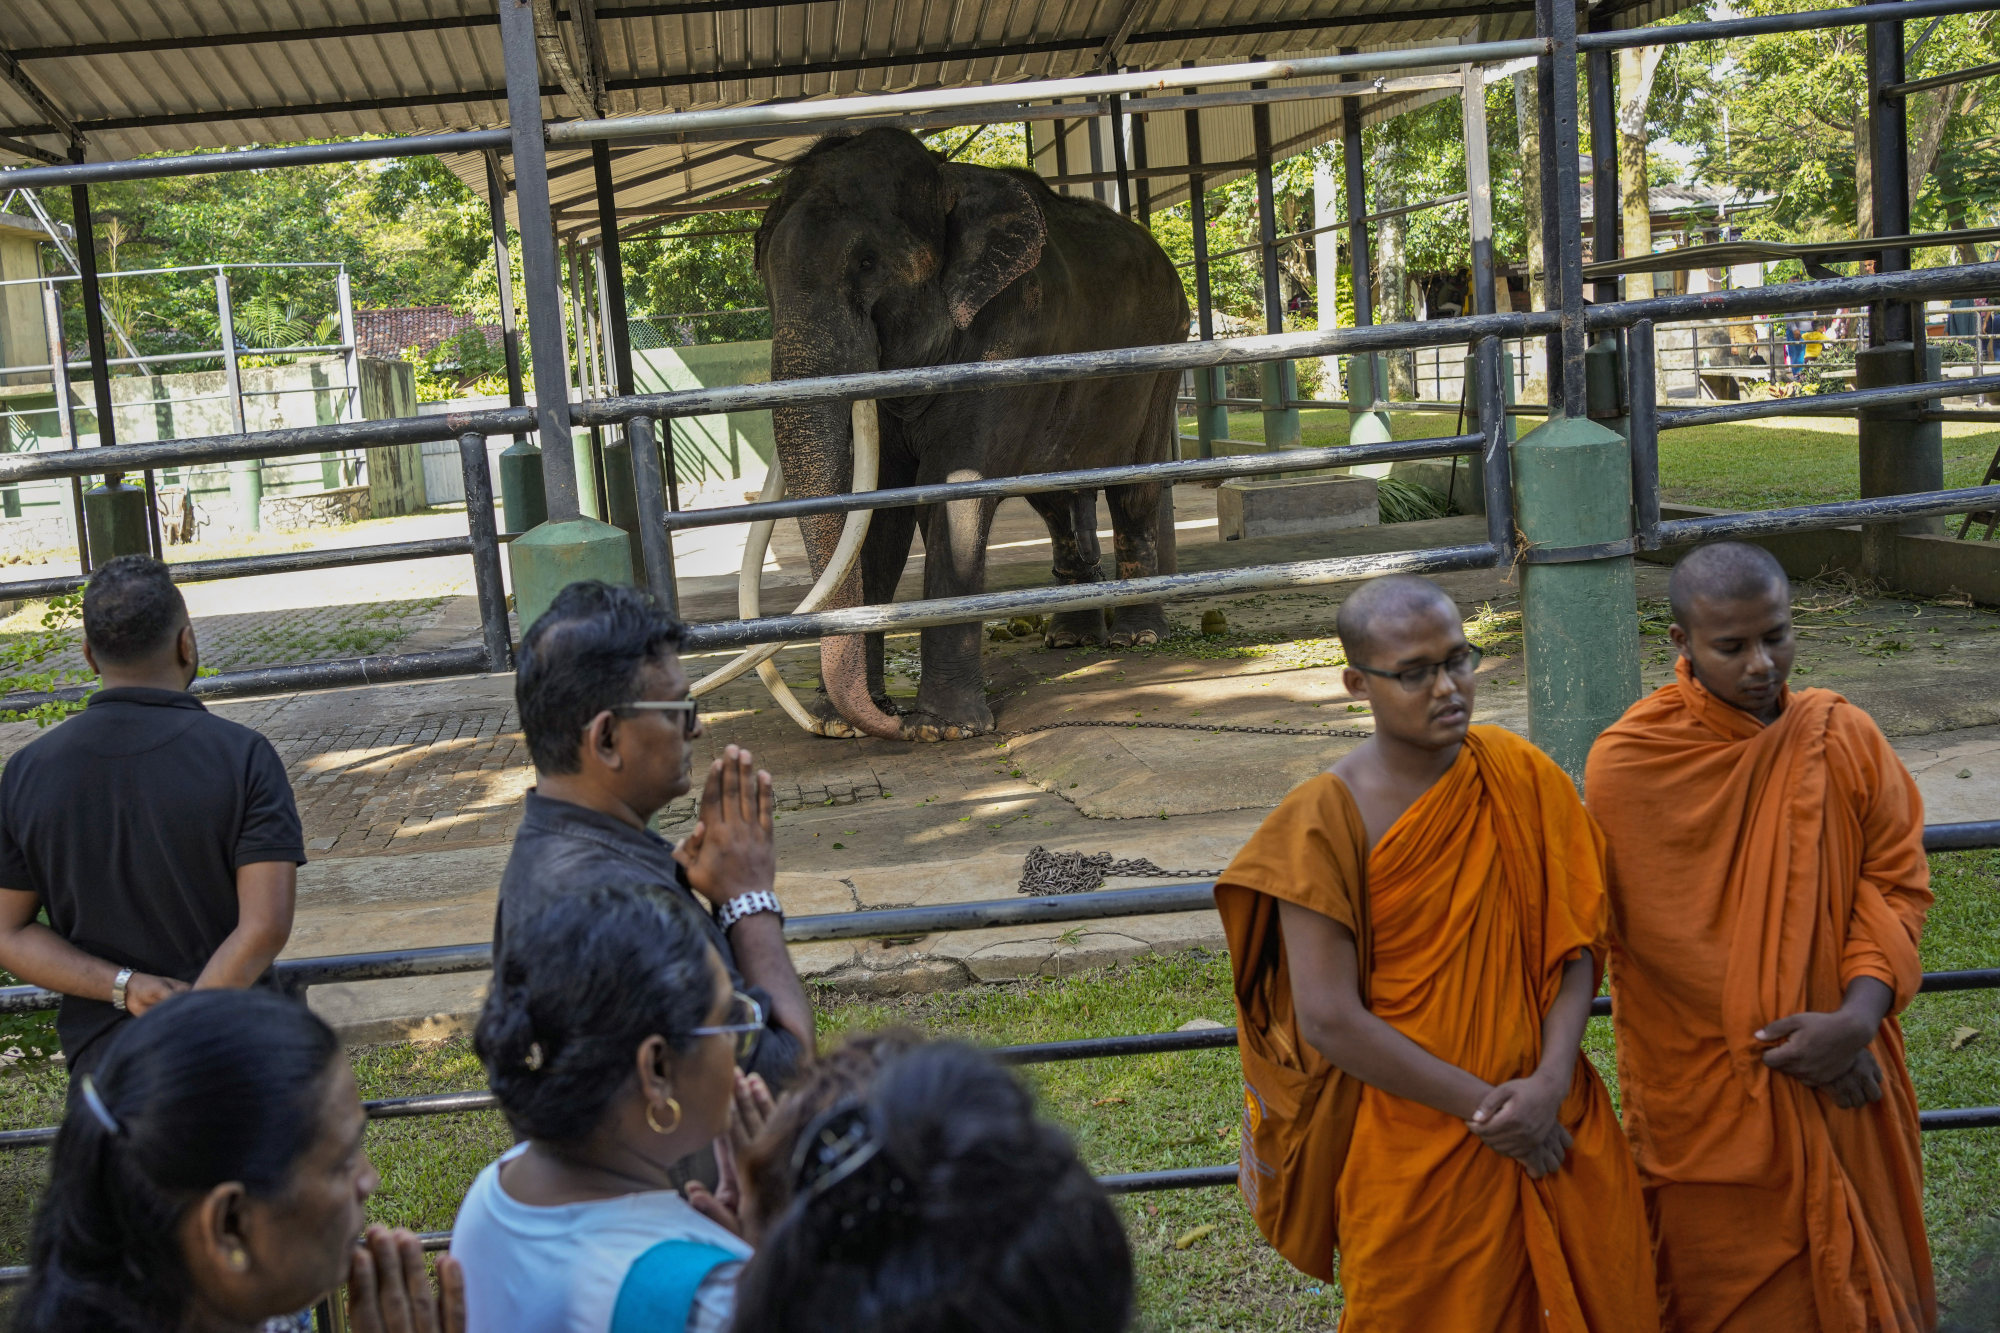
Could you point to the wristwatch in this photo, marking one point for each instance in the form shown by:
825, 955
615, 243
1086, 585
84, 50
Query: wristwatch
747, 904
118, 984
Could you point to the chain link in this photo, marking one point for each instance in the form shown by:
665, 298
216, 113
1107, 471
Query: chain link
1185, 726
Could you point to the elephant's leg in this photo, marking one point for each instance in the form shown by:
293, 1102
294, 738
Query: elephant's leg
1071, 517
951, 697
882, 561
1135, 530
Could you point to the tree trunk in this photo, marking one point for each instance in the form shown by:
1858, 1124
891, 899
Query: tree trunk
1941, 107
1391, 265
1864, 175
1636, 68
1528, 124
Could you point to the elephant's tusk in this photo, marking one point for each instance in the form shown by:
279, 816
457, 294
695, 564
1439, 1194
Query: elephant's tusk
749, 583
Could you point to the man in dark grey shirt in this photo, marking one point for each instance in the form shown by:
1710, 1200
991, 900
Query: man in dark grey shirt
603, 700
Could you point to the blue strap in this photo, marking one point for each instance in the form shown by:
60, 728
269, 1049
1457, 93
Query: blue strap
659, 1287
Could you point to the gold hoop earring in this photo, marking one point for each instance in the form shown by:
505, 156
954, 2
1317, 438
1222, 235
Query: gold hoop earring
655, 1125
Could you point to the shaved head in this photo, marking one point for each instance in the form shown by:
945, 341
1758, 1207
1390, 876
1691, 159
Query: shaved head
1390, 600
1724, 572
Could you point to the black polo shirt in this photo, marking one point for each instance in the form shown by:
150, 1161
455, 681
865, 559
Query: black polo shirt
130, 821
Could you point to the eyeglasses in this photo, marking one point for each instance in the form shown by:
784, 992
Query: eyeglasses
689, 710
746, 1024
1417, 678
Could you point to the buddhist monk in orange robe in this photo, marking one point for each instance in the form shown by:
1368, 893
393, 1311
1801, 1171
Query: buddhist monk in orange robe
1768, 887
1415, 939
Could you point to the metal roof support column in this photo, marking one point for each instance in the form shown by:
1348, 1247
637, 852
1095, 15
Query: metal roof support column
1211, 418
1900, 453
540, 278
621, 497
1144, 185
569, 546
1365, 423
1119, 162
1062, 152
1278, 379
1486, 370
1606, 357
522, 505
114, 512
65, 414
1093, 133
1562, 203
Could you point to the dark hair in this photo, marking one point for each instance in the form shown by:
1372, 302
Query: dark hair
131, 609
583, 980
208, 1087
1724, 572
580, 657
842, 1074
939, 1203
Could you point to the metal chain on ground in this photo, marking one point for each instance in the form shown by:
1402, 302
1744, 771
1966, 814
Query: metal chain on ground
1047, 874
1185, 726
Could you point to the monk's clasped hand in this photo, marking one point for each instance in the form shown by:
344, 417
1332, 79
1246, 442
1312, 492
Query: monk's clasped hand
1518, 1119
1816, 1048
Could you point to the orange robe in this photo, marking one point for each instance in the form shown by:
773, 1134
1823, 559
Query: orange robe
1473, 902
1755, 872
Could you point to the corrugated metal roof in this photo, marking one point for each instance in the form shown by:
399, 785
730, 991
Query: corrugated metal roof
149, 76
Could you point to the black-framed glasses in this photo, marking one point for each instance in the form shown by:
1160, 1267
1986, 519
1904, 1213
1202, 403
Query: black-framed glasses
689, 710
1416, 678
746, 1024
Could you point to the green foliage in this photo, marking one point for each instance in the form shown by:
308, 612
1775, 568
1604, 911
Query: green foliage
23, 661
464, 365
1401, 501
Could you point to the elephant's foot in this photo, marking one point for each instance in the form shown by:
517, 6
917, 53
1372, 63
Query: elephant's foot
1072, 629
1135, 626
924, 726
827, 720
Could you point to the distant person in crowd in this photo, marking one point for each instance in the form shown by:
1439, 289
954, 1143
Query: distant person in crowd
609, 723
1795, 342
611, 1037
1415, 937
1990, 327
936, 1201
162, 840
1768, 894
210, 1176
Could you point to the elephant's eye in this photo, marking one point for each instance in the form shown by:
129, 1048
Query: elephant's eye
867, 264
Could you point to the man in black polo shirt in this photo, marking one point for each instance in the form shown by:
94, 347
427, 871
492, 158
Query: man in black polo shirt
604, 704
163, 840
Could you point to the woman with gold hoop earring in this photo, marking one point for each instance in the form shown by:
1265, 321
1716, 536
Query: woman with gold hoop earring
612, 1039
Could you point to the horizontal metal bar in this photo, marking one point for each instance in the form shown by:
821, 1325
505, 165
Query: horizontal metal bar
254, 159
264, 444
1962, 837
1187, 470
1108, 364
1104, 1048
1342, 225
1942, 80
1720, 29
333, 674
442, 1103
896, 922
1822, 404
250, 566
668, 123
1951, 414
901, 616
1819, 294
1814, 518
1967, 1117
1179, 1178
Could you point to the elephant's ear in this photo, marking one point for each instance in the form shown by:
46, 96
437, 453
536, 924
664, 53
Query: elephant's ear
994, 234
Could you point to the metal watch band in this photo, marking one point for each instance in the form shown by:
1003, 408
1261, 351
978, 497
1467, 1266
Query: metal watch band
748, 904
118, 985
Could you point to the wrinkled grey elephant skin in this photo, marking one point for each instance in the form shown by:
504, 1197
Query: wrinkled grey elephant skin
879, 255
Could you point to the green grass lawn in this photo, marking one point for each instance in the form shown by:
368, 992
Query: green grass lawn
1769, 464
1158, 1111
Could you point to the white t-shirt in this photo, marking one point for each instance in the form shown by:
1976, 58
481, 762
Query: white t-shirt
633, 1264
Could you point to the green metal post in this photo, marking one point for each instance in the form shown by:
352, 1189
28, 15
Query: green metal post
1573, 487
1468, 491
246, 490
1370, 424
1280, 384
555, 555
115, 514
1899, 451
523, 503
1211, 418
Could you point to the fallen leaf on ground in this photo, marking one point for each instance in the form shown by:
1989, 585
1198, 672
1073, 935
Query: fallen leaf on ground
1112, 1101
1963, 1037
1188, 1238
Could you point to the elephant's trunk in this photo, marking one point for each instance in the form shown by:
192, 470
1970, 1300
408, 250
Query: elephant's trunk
816, 446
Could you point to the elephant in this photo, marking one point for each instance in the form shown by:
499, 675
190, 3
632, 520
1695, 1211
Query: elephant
878, 255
